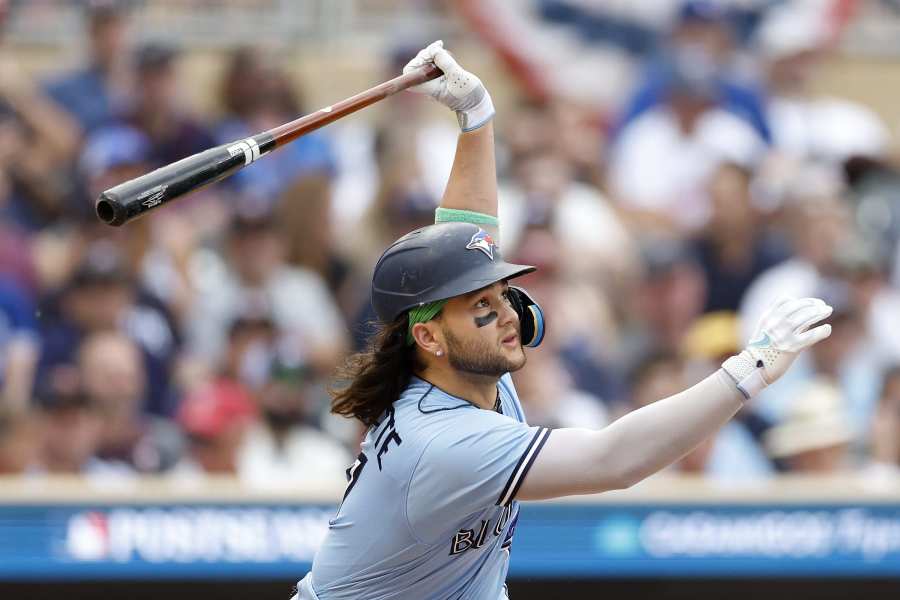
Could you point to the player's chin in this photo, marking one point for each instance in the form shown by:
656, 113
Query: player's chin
517, 359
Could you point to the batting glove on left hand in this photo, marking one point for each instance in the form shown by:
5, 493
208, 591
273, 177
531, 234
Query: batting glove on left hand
784, 331
457, 89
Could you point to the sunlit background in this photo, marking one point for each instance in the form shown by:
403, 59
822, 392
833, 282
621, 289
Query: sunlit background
672, 168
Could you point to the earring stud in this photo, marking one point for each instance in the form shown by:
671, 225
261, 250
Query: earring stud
440, 352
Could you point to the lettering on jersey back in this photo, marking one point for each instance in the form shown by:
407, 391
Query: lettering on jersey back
469, 539
389, 434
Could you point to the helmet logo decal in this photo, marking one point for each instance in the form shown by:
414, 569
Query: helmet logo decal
483, 241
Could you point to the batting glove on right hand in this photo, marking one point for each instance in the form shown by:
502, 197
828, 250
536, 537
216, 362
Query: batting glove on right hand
457, 89
783, 332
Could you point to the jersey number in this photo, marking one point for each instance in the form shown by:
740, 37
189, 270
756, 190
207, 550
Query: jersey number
353, 473
381, 443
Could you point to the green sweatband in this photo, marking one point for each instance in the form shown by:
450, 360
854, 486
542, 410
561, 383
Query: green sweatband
422, 314
455, 215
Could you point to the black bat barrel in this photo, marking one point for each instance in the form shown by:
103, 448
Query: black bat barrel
129, 200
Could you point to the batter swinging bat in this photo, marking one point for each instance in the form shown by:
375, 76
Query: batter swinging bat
129, 200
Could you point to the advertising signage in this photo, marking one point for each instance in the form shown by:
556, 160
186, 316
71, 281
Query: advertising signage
265, 540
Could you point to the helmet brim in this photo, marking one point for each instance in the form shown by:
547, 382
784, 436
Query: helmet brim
473, 280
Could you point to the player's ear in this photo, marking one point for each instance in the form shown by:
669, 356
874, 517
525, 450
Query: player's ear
429, 338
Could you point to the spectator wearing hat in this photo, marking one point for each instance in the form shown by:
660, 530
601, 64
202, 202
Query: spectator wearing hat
215, 418
814, 436
101, 295
96, 297
285, 447
252, 344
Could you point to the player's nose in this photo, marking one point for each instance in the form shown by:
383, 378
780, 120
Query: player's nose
508, 315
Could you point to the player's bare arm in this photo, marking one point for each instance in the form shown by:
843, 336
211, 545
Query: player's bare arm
473, 180
581, 461
472, 188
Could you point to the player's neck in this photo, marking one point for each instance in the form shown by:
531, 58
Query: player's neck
480, 390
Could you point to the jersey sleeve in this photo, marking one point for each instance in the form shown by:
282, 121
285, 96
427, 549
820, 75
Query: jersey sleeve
477, 462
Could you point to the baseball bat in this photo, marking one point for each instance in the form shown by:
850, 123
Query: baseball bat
135, 197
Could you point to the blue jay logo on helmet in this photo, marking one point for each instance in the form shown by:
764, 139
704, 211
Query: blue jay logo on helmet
483, 241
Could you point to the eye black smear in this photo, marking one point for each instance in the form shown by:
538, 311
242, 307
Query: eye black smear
486, 319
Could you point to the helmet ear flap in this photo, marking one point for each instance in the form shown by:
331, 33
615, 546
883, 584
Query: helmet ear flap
531, 317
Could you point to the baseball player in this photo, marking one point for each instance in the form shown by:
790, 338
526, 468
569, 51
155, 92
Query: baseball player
431, 505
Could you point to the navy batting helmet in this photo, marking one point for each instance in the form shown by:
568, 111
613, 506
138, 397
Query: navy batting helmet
441, 261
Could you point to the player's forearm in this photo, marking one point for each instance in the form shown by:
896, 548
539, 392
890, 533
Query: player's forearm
473, 180
653, 437
582, 461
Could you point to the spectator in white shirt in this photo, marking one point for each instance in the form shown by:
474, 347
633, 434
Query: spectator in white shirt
255, 277
660, 164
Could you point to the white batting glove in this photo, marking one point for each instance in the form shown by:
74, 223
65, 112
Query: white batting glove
783, 332
457, 89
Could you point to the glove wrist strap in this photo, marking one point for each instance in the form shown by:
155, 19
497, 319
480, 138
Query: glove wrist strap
473, 118
747, 374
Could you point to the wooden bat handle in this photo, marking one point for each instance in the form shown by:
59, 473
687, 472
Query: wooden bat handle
294, 129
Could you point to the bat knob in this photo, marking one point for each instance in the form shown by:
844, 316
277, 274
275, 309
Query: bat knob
110, 211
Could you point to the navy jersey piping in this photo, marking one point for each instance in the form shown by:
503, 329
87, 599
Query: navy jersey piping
522, 467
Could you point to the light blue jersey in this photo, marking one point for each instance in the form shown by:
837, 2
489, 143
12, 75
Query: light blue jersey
429, 512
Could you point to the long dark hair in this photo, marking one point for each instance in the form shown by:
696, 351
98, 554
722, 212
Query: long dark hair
370, 381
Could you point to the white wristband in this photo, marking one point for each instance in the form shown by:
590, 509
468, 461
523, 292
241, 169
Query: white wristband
747, 374
473, 118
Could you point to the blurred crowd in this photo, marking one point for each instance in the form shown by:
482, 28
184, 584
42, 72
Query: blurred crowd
202, 338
